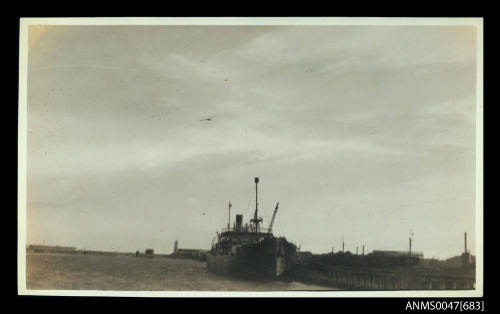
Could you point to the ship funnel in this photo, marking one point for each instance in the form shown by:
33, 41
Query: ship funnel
239, 222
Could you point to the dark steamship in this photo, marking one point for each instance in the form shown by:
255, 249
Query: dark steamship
250, 251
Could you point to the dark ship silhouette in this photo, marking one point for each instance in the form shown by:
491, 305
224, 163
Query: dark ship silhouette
250, 251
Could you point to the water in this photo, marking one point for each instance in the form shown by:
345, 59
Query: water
129, 273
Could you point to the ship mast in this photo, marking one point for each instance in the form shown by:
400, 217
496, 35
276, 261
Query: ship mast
256, 220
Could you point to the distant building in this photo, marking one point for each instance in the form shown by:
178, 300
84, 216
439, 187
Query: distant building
188, 253
430, 263
397, 253
305, 256
36, 248
90, 252
465, 260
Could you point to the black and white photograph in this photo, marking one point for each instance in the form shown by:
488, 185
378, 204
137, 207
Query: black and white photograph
289, 156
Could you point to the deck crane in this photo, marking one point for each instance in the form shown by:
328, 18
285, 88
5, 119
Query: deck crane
270, 229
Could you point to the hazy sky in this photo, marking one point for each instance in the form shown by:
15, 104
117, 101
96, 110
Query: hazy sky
359, 132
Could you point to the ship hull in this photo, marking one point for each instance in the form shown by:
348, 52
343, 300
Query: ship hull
269, 259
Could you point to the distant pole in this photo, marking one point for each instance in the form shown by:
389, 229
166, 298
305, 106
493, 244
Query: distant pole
465, 241
409, 264
356, 250
363, 250
342, 245
466, 254
229, 218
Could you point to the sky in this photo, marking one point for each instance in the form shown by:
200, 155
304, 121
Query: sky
362, 133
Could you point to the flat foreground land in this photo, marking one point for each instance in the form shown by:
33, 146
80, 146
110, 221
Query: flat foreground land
96, 272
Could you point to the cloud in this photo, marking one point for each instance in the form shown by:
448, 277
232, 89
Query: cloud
332, 118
